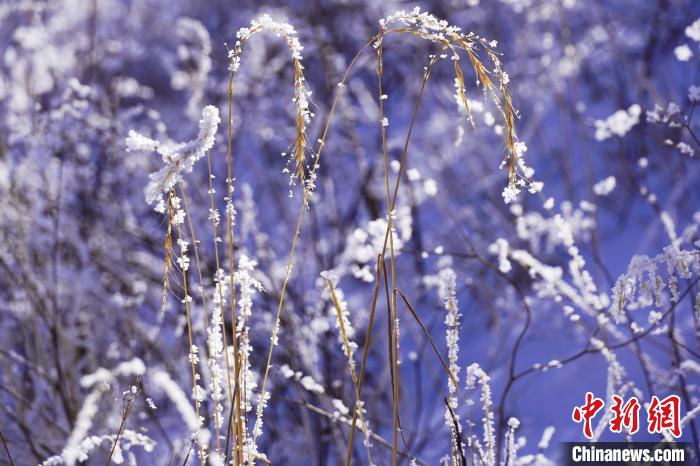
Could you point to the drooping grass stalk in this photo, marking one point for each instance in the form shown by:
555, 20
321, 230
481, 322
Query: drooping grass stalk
505, 109
303, 115
482, 74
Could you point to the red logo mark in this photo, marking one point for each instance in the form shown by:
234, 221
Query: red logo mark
587, 412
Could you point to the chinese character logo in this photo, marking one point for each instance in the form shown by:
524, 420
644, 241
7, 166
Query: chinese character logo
625, 415
662, 415
587, 412
665, 415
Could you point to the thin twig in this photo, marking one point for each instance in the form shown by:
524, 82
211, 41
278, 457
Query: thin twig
7, 449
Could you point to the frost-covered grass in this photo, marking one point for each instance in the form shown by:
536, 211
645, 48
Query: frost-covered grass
231, 361
333, 269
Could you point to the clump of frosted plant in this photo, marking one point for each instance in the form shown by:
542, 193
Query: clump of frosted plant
560, 230
693, 30
643, 284
604, 186
216, 345
179, 158
477, 376
249, 286
500, 249
305, 381
183, 260
510, 193
127, 441
198, 392
683, 52
674, 118
617, 124
513, 188
302, 93
426, 24
511, 445
198, 395
669, 115
540, 230
448, 294
76, 449
363, 243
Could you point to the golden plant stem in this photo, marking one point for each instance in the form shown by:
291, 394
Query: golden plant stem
122, 424
391, 204
393, 341
444, 365
368, 339
221, 297
298, 227
189, 336
237, 438
301, 213
275, 328
300, 143
353, 373
168, 264
195, 247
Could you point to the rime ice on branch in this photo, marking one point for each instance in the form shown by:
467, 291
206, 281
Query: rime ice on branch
179, 158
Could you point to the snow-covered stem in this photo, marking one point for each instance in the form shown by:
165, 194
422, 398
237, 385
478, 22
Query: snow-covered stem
476, 376
249, 286
448, 294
